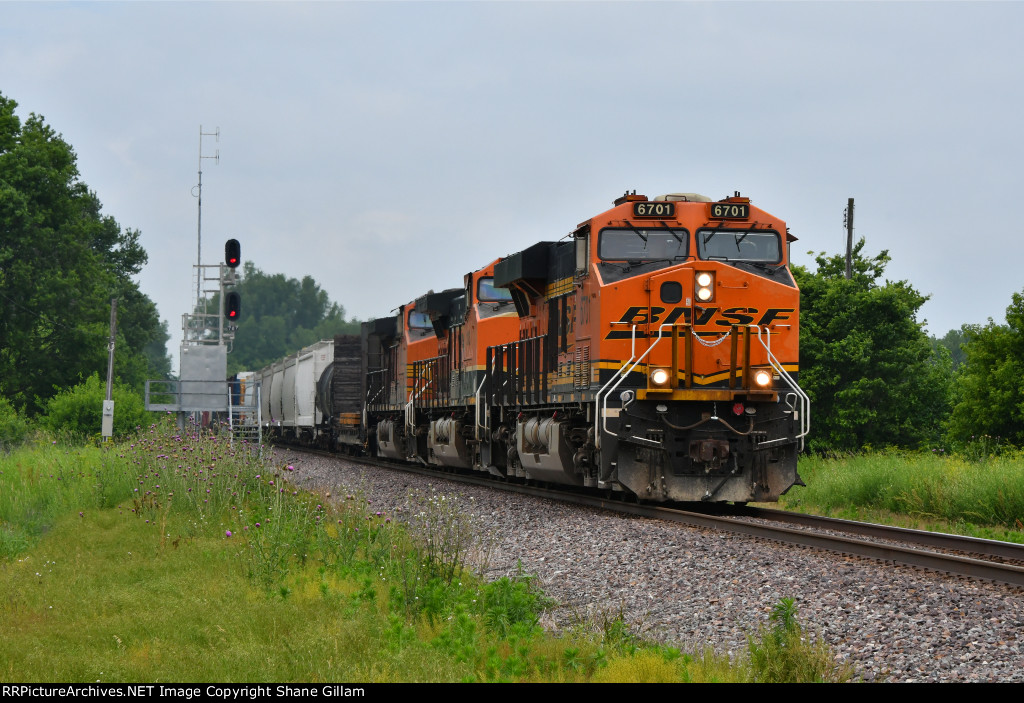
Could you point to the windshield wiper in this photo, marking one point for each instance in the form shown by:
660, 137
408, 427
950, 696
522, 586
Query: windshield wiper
712, 233
638, 232
752, 228
622, 267
672, 232
767, 268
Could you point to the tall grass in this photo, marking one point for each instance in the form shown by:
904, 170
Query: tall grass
931, 486
40, 486
177, 556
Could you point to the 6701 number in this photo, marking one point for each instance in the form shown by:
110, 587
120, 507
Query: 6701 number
654, 209
730, 211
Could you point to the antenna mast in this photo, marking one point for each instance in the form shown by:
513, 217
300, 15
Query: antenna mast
848, 216
198, 192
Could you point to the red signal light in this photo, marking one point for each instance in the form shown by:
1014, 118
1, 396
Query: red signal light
232, 253
232, 305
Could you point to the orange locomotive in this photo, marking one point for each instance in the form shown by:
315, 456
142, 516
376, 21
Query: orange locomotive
423, 379
655, 352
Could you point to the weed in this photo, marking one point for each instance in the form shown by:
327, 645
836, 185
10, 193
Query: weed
617, 634
512, 602
781, 653
442, 534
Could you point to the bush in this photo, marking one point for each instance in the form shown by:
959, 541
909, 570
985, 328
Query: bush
78, 411
13, 427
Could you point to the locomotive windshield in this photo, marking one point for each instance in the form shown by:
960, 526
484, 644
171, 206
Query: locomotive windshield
487, 293
643, 244
739, 245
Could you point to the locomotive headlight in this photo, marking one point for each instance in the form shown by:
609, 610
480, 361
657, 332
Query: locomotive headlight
763, 378
705, 286
660, 378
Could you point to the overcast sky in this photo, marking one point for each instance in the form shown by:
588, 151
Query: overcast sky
387, 148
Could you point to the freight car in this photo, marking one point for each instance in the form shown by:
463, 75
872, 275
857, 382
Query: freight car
296, 395
654, 351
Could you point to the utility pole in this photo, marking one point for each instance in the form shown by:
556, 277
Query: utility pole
108, 404
849, 239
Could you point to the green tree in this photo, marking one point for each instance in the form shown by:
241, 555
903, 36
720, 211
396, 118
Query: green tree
61, 261
989, 391
279, 316
953, 341
157, 357
13, 427
865, 361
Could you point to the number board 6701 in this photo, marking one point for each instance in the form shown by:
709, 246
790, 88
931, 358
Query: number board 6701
730, 211
657, 208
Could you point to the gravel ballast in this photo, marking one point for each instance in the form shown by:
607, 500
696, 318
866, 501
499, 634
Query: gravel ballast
693, 587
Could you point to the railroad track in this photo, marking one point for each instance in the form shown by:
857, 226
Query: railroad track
971, 557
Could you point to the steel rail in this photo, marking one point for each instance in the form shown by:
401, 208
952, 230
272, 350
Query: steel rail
940, 540
944, 563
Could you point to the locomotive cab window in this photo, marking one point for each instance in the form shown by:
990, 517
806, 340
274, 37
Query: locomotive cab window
739, 245
487, 293
643, 244
419, 321
419, 324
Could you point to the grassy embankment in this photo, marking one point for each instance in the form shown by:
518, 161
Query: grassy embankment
170, 558
975, 493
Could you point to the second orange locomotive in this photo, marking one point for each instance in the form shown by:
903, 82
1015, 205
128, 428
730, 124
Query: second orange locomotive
655, 351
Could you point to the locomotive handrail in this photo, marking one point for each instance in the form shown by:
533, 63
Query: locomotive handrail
514, 377
476, 410
603, 420
410, 412
597, 396
805, 401
383, 386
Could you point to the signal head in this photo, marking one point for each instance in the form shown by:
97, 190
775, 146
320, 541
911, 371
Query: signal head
232, 253
232, 306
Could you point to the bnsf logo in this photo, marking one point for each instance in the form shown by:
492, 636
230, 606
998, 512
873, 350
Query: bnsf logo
724, 318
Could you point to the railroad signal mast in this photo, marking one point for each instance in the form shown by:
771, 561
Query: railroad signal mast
202, 326
216, 327
202, 390
209, 334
